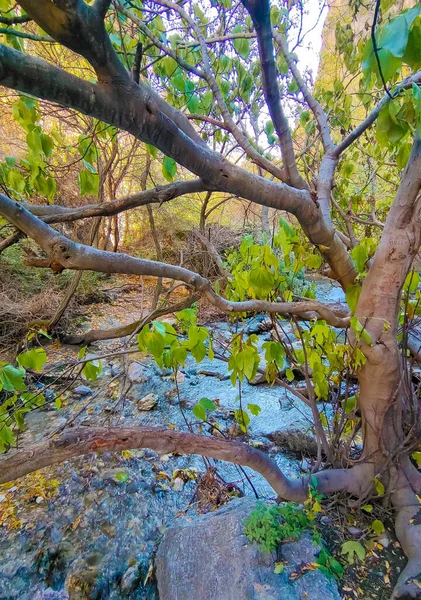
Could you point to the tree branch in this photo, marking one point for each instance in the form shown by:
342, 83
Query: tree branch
159, 195
259, 11
15, 20
27, 36
63, 253
371, 118
82, 440
314, 105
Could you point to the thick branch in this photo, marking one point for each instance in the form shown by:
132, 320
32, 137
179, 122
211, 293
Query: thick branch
83, 440
139, 111
260, 13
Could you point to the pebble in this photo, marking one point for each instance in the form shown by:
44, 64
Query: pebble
39, 500
354, 531
148, 402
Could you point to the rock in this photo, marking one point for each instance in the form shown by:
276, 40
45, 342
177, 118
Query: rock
137, 373
130, 579
82, 390
48, 594
148, 402
213, 548
115, 369
384, 540
294, 440
178, 484
259, 326
356, 532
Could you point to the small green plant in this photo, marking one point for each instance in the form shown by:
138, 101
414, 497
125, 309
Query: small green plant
268, 526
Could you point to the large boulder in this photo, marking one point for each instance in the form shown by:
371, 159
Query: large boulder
209, 557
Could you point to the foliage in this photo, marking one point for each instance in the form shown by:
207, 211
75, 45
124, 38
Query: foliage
268, 526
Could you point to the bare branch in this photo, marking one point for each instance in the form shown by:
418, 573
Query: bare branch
219, 38
26, 35
82, 440
63, 253
10, 240
15, 20
159, 195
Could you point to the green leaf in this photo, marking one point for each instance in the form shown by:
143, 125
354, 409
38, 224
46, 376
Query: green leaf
58, 403
254, 409
152, 150
242, 45
360, 330
417, 457
367, 508
169, 168
352, 549
92, 370
242, 418
12, 378
193, 104
6, 437
199, 412
379, 486
352, 295
289, 374
378, 527
207, 404
122, 477
33, 359
88, 183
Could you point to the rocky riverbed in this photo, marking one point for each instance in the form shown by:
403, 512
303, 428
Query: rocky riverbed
89, 528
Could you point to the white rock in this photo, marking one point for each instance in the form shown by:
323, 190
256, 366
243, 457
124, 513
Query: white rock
39, 500
148, 402
178, 484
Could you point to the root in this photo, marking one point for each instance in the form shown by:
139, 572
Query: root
408, 531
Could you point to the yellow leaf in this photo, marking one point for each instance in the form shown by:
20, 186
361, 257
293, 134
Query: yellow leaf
171, 426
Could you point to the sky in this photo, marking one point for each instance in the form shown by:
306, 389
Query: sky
309, 53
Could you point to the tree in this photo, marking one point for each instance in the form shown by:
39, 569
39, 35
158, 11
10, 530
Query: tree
225, 78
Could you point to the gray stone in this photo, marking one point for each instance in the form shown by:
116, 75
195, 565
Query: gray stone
130, 579
213, 554
137, 373
82, 390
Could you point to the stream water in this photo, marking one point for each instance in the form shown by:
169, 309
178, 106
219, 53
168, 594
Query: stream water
88, 528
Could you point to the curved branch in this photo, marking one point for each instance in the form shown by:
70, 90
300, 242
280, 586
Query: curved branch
63, 253
82, 440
